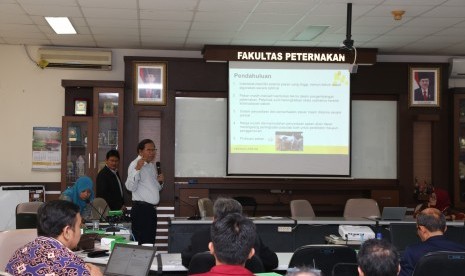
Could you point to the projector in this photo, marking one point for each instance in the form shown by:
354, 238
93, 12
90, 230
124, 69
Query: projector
352, 233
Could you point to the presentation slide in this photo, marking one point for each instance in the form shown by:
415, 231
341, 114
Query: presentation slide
289, 119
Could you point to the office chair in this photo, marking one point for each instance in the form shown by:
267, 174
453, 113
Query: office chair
206, 204
26, 214
202, 262
26, 221
322, 257
301, 208
345, 269
441, 263
247, 201
361, 207
11, 240
28, 207
99, 209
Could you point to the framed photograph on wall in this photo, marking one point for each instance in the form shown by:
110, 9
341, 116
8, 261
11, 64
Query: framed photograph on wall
149, 83
424, 87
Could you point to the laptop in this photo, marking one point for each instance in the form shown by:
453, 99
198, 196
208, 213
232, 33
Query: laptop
130, 260
393, 213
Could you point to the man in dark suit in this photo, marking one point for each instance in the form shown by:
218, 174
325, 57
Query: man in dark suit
426, 91
109, 185
431, 225
201, 239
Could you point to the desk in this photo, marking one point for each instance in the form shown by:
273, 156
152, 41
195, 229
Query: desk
279, 234
171, 262
288, 234
181, 230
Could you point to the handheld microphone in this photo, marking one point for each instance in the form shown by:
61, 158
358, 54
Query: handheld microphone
158, 166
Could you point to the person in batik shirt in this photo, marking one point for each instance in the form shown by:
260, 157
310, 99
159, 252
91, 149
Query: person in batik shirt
58, 230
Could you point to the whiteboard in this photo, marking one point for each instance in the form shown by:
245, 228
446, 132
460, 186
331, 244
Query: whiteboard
201, 136
374, 139
8, 202
200, 143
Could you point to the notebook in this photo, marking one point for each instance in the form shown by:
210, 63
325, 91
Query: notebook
393, 213
130, 260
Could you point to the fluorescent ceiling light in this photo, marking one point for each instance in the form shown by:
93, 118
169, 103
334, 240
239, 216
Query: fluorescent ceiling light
61, 25
310, 33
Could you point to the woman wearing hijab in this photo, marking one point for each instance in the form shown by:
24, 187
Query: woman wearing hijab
439, 199
81, 194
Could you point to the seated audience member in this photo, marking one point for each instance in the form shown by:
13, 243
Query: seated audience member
59, 231
378, 258
439, 199
200, 239
233, 237
81, 194
431, 225
109, 185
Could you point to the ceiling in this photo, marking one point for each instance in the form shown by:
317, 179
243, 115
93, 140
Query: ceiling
429, 27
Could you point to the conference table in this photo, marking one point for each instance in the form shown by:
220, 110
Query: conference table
283, 235
286, 234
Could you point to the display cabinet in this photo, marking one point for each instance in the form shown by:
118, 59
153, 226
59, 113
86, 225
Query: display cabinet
87, 138
459, 150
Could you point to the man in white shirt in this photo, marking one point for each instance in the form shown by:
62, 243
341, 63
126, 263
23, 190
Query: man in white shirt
144, 183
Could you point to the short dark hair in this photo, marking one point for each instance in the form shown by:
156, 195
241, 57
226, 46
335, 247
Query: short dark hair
432, 219
55, 215
224, 206
378, 258
112, 153
142, 144
233, 237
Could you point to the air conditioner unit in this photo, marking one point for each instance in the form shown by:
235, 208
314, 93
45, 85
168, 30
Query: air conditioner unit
75, 58
457, 68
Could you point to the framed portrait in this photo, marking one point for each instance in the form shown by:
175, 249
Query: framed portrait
80, 107
424, 87
150, 83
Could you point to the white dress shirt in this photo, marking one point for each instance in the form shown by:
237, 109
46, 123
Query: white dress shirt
143, 183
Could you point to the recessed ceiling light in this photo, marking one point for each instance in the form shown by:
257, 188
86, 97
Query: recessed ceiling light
310, 33
61, 25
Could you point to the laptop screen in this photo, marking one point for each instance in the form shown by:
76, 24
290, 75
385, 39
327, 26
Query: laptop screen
393, 213
130, 260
